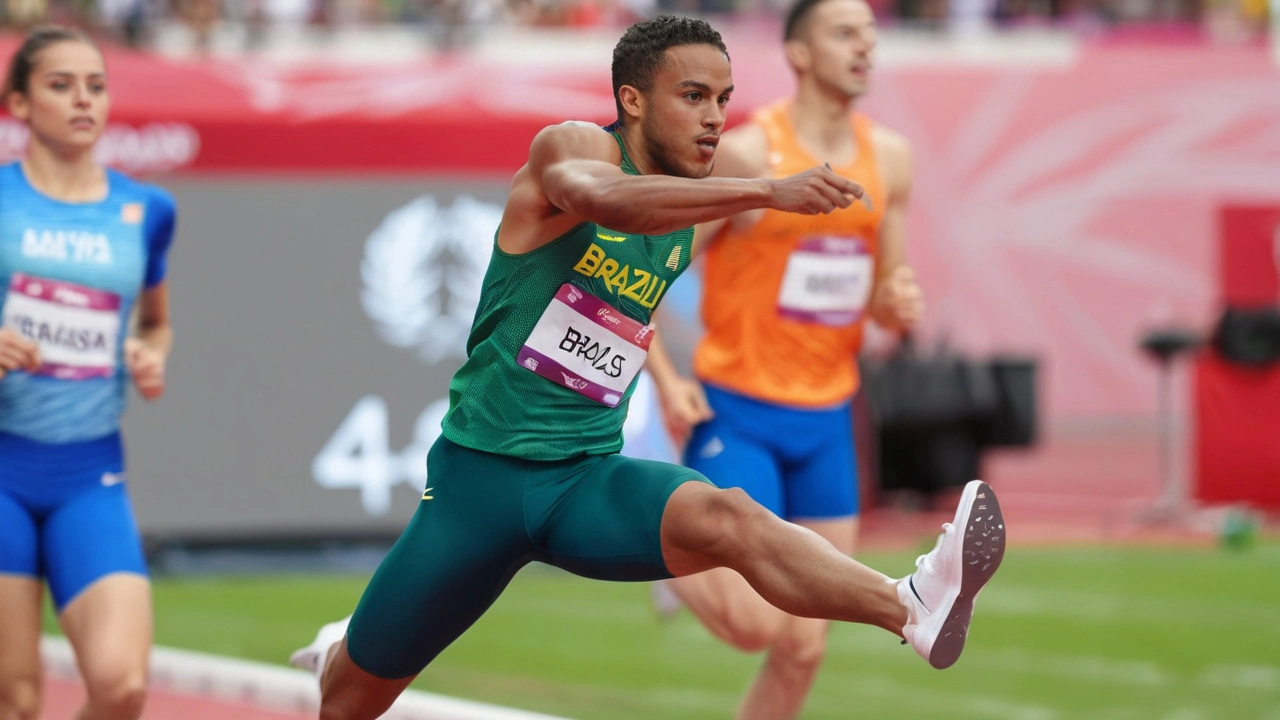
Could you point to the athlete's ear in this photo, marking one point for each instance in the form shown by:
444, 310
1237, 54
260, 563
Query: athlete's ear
18, 105
632, 101
797, 54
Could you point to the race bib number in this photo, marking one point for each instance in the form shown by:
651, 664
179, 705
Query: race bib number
827, 281
586, 345
76, 327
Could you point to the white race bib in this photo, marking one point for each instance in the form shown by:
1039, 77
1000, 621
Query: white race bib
827, 281
586, 345
76, 327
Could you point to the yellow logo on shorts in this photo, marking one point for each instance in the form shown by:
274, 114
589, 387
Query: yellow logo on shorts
426, 494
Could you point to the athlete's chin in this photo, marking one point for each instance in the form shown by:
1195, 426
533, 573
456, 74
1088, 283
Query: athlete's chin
73, 141
698, 169
856, 90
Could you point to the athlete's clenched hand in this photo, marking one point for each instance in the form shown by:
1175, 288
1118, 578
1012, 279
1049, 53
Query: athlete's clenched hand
17, 353
813, 192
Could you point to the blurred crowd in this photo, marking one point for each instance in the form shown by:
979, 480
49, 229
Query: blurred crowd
455, 21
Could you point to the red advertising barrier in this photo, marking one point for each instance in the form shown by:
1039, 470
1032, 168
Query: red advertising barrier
1237, 408
1237, 433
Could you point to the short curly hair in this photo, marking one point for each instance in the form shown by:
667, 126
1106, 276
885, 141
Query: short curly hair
640, 52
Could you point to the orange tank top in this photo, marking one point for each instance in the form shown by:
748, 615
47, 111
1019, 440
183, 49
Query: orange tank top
784, 302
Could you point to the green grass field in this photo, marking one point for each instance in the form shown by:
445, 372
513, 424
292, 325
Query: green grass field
1103, 634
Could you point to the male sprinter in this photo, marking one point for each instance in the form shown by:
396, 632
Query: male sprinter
597, 226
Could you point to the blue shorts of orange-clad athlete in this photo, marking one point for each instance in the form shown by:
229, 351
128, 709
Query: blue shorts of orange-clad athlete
798, 462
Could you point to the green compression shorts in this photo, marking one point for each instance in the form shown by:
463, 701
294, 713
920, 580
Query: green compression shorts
485, 516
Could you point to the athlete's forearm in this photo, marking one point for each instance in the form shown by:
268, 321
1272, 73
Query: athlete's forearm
887, 319
659, 363
659, 204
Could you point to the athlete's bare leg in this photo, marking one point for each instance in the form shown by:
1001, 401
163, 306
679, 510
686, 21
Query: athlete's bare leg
728, 606
349, 693
791, 567
782, 685
20, 650
109, 625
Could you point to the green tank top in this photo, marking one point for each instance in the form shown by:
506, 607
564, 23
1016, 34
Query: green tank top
499, 402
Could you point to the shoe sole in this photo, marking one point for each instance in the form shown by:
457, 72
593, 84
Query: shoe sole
983, 549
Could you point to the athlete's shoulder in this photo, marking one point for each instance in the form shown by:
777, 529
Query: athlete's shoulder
11, 175
161, 210
893, 157
749, 136
574, 139
154, 195
891, 145
743, 152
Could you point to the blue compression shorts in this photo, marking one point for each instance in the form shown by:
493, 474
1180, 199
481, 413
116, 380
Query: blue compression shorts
65, 515
799, 463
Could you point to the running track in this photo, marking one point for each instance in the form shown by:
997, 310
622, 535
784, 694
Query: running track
1072, 490
62, 698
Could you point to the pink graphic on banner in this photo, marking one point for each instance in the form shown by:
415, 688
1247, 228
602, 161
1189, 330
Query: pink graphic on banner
64, 293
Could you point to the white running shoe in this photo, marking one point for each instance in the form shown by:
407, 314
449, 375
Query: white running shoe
313, 656
939, 595
665, 601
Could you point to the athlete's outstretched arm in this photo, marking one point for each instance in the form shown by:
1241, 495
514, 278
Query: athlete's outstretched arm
578, 175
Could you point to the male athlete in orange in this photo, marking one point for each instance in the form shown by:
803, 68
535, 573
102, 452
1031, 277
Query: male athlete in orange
785, 301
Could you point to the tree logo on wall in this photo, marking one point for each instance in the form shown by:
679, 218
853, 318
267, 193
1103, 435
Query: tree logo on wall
422, 271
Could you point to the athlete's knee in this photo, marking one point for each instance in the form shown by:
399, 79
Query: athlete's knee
751, 631
20, 698
732, 517
705, 528
119, 696
800, 648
